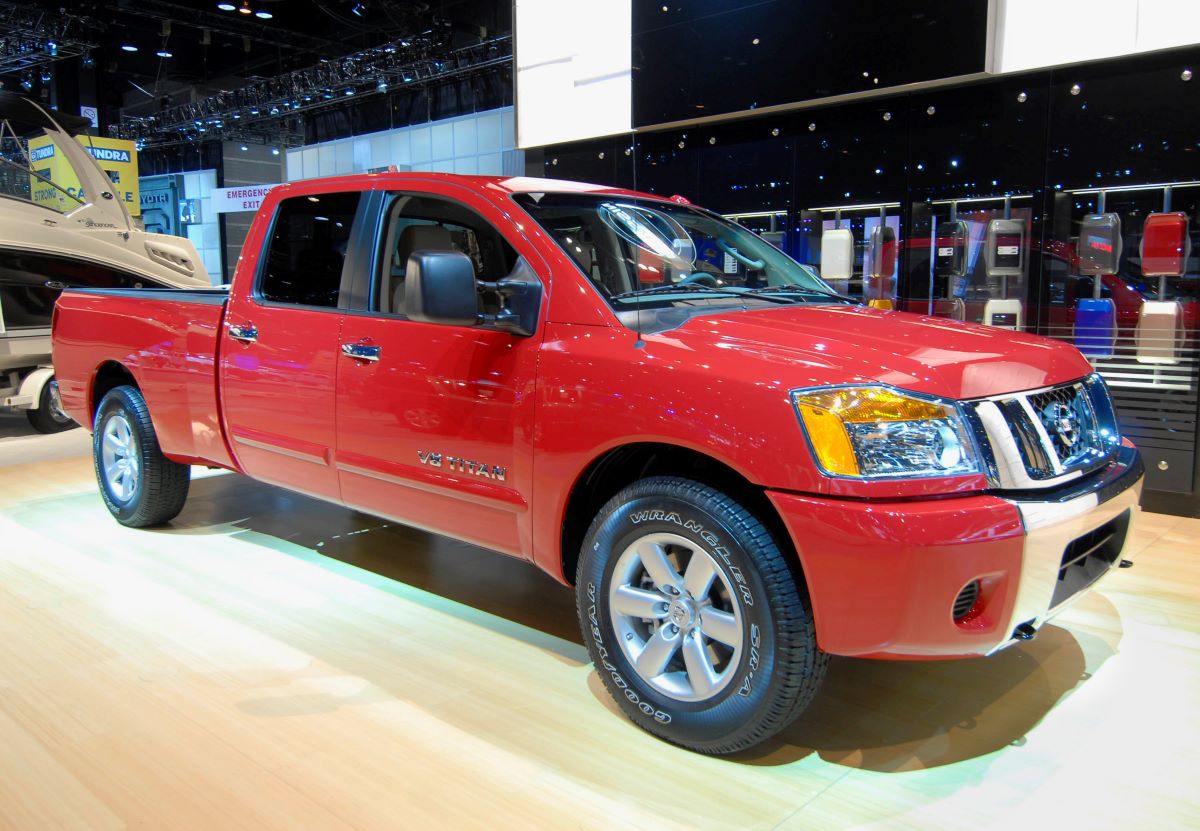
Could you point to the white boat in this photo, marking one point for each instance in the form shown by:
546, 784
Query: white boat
75, 232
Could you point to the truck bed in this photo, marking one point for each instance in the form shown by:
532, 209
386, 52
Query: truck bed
168, 338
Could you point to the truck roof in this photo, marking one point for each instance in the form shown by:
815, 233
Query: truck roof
506, 184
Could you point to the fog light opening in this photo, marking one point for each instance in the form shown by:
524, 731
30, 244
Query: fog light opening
965, 605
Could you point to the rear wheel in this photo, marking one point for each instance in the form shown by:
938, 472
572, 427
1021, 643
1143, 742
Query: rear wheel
140, 485
696, 624
49, 417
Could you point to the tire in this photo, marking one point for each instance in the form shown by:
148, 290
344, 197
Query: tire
49, 416
743, 661
140, 486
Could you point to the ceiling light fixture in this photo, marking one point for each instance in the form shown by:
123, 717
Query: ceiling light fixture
163, 53
45, 76
263, 15
359, 9
129, 47
245, 8
226, 7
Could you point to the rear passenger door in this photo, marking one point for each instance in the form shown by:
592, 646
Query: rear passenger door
435, 422
279, 349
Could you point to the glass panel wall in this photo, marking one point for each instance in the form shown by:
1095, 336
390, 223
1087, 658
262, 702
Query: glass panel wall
1063, 202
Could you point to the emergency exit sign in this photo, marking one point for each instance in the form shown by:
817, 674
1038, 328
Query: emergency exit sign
240, 198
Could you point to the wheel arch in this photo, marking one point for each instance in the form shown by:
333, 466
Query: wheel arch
622, 465
108, 376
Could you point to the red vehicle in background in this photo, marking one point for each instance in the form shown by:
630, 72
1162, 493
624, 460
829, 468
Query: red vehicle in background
740, 472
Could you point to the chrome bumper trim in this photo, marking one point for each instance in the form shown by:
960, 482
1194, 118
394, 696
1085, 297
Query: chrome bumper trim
1051, 525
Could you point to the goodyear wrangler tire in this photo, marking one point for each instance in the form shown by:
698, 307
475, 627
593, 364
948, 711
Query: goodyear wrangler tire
140, 485
695, 623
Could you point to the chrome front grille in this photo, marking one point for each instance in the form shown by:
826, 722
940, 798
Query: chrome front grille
1042, 436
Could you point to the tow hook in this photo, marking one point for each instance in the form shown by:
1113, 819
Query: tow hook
1126, 564
1024, 632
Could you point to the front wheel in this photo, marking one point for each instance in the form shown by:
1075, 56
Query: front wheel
140, 485
696, 624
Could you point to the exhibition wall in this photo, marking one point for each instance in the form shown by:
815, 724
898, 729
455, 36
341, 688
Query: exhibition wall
646, 63
181, 203
480, 143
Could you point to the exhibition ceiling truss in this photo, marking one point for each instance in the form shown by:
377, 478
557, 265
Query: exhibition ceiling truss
32, 38
261, 108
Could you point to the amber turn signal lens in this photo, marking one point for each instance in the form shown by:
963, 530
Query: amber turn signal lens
865, 405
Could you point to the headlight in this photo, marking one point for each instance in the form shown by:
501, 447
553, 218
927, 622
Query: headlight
879, 432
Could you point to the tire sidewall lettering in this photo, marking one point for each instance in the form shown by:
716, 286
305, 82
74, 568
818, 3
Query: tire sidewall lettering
661, 716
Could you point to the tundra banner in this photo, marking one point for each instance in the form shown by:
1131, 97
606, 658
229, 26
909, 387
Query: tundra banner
118, 158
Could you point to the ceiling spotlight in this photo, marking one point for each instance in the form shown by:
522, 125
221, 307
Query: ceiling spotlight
359, 9
129, 47
163, 53
245, 8
26, 82
88, 60
274, 151
349, 91
226, 7
51, 48
244, 148
263, 15
45, 76
382, 86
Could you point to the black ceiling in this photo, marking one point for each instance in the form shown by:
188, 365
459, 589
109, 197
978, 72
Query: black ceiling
209, 45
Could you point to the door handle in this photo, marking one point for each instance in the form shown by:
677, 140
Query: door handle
246, 334
361, 351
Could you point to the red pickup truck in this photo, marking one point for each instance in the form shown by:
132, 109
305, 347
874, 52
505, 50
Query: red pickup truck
741, 472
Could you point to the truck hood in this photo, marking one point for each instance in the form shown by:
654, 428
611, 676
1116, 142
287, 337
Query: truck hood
811, 346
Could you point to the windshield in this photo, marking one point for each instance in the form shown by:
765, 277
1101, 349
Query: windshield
33, 169
645, 254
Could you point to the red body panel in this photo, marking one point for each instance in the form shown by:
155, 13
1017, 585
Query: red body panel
883, 576
278, 395
169, 347
299, 413
466, 393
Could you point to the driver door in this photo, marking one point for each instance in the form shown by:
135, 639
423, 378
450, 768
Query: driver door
435, 422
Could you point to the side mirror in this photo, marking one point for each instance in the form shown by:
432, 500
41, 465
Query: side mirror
440, 288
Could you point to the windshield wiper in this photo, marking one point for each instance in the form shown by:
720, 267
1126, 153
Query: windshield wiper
766, 290
673, 287
728, 291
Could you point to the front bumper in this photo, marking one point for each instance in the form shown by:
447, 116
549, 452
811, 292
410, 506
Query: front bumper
883, 577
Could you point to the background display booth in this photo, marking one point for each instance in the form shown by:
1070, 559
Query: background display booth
977, 256
855, 248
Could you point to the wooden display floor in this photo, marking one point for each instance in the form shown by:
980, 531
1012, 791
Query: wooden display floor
271, 662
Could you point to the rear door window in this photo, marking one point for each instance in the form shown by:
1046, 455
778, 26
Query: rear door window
307, 249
